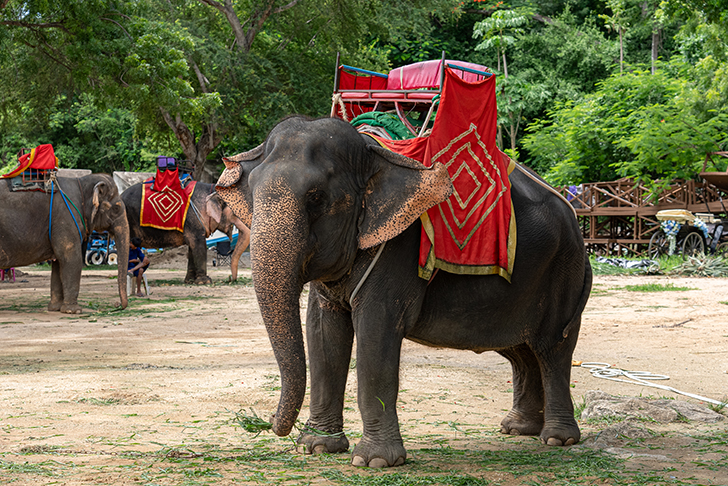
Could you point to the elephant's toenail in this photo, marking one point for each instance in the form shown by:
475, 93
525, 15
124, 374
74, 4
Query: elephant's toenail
570, 441
378, 462
319, 449
553, 441
358, 461
399, 461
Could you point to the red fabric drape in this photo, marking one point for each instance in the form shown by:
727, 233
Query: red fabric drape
473, 231
164, 202
41, 158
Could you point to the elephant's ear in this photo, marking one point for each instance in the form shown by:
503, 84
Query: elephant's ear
397, 194
232, 186
213, 205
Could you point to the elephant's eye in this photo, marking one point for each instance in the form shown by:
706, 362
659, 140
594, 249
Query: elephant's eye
315, 201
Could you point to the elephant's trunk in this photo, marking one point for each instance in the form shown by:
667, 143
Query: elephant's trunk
121, 236
240, 246
275, 249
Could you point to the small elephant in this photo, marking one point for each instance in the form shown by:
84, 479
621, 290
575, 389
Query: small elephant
93, 201
320, 199
208, 215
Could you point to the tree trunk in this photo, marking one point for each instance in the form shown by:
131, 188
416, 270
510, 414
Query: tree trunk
195, 152
655, 45
621, 51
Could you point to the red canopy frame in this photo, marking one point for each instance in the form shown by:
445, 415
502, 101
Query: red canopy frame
415, 87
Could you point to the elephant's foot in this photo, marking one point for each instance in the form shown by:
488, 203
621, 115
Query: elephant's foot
204, 280
71, 309
518, 423
321, 442
54, 306
561, 434
370, 454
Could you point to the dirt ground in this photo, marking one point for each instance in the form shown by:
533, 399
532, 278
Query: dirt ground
155, 394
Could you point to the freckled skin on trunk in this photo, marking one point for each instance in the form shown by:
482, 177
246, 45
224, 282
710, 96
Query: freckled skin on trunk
275, 248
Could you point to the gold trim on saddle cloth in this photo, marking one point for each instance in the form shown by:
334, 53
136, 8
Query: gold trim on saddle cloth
428, 271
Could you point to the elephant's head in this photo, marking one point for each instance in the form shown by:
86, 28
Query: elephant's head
313, 195
105, 211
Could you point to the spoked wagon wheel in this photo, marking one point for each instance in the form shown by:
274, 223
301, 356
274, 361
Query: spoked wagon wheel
722, 250
693, 245
658, 245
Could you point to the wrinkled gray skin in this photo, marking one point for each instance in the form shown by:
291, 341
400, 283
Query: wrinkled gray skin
24, 239
320, 198
214, 215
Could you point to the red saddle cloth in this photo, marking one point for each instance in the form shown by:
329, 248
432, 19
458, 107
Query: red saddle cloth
40, 158
164, 202
473, 232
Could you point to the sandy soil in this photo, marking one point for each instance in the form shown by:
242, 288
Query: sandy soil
154, 394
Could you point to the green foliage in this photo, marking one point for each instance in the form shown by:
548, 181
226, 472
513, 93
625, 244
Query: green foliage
112, 83
656, 287
638, 125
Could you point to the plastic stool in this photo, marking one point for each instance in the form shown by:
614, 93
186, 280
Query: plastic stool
131, 284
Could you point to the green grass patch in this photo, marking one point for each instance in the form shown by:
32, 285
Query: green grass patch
26, 307
656, 287
99, 401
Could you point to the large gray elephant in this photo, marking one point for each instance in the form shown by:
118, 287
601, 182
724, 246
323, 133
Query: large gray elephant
320, 200
93, 201
207, 213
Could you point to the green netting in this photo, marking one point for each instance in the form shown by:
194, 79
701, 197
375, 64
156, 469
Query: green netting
388, 121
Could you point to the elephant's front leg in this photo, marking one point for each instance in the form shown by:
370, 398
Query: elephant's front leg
378, 352
56, 287
330, 335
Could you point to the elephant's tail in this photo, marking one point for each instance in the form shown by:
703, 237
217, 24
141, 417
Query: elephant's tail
585, 291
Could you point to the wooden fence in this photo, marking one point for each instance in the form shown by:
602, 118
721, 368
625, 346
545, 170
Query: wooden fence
619, 216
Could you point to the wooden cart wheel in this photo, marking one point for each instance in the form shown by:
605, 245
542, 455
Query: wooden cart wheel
658, 246
722, 250
693, 245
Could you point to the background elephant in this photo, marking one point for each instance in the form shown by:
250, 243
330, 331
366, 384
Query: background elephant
213, 215
320, 198
24, 231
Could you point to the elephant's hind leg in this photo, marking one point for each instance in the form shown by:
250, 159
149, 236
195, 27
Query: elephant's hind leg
526, 416
560, 427
330, 336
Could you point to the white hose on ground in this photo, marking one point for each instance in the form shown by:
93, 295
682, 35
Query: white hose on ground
603, 370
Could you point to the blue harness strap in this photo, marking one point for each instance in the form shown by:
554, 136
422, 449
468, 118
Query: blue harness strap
50, 214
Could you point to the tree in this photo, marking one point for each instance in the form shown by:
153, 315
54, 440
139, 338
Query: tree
499, 32
618, 23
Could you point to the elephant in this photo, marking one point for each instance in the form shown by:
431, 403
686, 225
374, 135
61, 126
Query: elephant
320, 200
29, 235
208, 215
